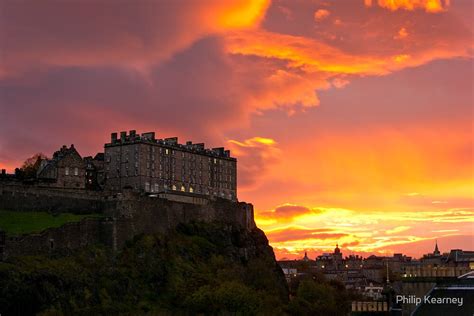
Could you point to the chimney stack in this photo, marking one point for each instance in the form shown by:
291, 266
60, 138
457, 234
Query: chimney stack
113, 138
123, 136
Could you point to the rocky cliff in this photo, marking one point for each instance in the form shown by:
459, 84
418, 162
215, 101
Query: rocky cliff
211, 268
147, 255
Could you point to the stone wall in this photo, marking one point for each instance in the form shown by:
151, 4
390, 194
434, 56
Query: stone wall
67, 237
134, 214
32, 198
126, 216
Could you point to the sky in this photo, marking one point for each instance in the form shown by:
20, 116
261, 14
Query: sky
352, 121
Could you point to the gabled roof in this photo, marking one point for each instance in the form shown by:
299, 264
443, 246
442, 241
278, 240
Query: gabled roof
59, 155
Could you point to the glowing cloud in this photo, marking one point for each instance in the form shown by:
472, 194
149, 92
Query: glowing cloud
321, 14
431, 6
402, 33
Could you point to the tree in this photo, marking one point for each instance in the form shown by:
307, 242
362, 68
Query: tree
31, 165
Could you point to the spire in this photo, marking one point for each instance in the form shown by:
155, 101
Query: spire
337, 250
306, 256
436, 250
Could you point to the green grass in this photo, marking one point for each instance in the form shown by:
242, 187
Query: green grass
17, 223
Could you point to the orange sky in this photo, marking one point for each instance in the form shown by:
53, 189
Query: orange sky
352, 120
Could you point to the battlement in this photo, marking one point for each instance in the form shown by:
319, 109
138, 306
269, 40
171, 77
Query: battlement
171, 142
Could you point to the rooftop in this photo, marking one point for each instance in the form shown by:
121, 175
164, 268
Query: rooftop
170, 142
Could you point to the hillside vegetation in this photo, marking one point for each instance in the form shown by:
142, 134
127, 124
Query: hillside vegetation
197, 268
17, 223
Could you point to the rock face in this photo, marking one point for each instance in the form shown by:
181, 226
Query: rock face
126, 216
196, 267
147, 254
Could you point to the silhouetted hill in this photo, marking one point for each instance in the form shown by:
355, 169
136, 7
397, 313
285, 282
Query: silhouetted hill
195, 268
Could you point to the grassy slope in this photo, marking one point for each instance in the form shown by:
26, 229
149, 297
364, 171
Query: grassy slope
17, 223
194, 269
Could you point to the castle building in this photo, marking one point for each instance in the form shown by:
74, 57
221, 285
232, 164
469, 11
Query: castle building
65, 170
144, 163
95, 176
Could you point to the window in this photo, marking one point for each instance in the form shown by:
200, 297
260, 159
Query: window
166, 151
76, 171
147, 186
173, 187
66, 171
183, 188
157, 188
191, 189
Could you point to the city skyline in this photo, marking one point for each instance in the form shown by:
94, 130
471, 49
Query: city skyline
351, 120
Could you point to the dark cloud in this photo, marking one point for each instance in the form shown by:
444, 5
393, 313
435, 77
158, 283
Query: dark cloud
87, 103
288, 212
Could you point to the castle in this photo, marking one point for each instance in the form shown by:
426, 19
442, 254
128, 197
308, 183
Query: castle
143, 164
139, 184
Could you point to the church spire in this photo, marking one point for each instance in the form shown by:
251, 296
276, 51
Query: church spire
436, 250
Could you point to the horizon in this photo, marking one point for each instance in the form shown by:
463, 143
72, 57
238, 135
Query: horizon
351, 121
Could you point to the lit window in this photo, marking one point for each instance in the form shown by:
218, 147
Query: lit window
66, 171
191, 189
174, 187
183, 188
76, 171
147, 186
166, 151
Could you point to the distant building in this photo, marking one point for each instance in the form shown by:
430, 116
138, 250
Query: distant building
306, 258
435, 259
330, 261
66, 169
461, 258
146, 164
289, 273
374, 291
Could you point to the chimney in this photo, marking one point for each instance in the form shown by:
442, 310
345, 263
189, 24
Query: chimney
219, 150
123, 136
149, 135
199, 146
72, 146
4, 172
172, 140
113, 138
133, 133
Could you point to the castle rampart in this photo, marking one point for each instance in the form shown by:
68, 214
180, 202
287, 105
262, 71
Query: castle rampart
32, 198
124, 216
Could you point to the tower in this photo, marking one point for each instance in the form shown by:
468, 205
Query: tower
436, 250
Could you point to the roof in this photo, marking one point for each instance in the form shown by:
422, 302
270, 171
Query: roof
457, 298
458, 255
59, 155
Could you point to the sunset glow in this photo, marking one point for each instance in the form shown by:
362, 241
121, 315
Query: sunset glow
352, 121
